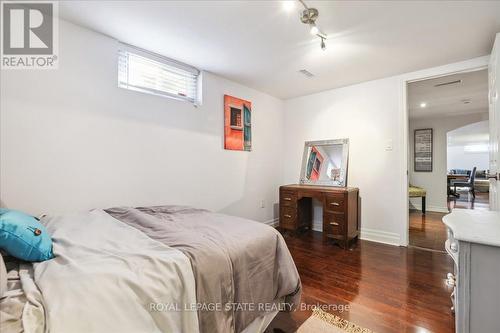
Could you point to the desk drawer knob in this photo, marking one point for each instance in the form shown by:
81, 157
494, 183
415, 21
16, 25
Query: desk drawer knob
287, 199
334, 204
334, 223
288, 216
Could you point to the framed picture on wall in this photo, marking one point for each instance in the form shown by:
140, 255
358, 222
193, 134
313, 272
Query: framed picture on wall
237, 124
422, 147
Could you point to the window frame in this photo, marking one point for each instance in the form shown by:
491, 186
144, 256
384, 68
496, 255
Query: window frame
126, 48
236, 126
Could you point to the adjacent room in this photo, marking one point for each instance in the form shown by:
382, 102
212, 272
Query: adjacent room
207, 166
449, 152
468, 154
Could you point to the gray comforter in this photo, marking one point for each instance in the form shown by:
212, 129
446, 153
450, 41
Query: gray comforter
106, 277
241, 267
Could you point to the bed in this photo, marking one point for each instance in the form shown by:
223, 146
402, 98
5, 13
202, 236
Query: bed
153, 269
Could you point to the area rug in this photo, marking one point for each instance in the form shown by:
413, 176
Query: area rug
323, 322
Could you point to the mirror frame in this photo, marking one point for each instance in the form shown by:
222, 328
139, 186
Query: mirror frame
305, 156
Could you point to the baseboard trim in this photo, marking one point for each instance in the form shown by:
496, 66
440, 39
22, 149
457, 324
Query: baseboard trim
316, 228
317, 225
372, 235
273, 223
384, 237
431, 208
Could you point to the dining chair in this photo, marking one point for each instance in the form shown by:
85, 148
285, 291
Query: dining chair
468, 184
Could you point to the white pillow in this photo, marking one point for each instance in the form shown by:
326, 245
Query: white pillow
3, 277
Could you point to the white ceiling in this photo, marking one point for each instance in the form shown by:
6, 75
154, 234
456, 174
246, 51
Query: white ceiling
476, 133
260, 45
449, 100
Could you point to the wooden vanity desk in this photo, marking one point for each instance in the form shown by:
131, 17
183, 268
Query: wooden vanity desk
340, 210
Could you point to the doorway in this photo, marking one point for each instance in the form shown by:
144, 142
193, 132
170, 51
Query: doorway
447, 118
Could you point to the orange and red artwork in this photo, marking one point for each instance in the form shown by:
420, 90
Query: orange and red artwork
237, 124
314, 164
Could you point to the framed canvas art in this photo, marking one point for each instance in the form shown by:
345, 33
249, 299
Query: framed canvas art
237, 124
423, 150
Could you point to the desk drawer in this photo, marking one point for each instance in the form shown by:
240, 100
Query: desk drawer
288, 199
334, 202
334, 224
288, 217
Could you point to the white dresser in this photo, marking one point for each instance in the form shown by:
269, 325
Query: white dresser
474, 244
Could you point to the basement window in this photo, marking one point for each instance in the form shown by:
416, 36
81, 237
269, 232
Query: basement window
151, 73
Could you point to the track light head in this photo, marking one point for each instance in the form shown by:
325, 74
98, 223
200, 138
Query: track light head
314, 30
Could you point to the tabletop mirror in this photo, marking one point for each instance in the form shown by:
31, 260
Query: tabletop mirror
325, 163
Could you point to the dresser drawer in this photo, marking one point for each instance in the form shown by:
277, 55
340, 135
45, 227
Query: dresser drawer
335, 202
288, 199
334, 224
288, 218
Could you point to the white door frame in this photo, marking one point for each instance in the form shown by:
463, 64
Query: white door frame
459, 67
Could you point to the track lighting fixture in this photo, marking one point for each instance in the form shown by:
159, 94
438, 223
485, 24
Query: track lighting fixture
308, 16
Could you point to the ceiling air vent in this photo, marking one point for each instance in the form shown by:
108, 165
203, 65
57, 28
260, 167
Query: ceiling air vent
448, 83
306, 73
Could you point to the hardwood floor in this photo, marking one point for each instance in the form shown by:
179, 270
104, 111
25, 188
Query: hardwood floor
386, 288
428, 231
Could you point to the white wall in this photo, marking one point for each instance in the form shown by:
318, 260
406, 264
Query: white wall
367, 114
71, 139
460, 159
435, 182
372, 116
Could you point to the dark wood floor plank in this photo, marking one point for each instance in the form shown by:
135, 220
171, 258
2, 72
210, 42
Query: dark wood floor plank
387, 288
428, 231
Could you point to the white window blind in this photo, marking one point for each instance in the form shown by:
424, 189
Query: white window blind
147, 72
